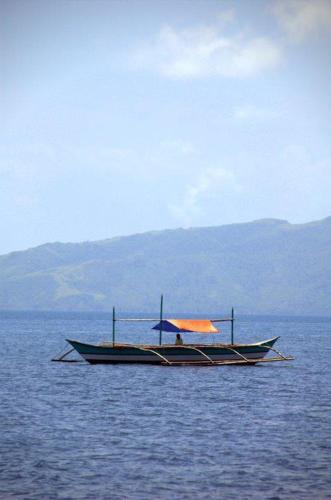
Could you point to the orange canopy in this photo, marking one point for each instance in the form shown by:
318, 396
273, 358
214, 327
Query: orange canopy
186, 325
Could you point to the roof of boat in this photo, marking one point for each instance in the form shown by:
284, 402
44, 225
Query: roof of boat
186, 326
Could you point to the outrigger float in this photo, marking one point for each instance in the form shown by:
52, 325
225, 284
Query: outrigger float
177, 355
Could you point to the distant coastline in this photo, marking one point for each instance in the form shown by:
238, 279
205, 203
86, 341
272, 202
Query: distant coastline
264, 267
103, 315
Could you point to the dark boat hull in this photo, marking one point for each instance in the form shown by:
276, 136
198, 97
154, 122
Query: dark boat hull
167, 354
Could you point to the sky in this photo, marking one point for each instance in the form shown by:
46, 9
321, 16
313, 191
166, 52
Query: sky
120, 117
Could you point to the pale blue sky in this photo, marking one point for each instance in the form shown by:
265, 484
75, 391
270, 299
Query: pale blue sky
128, 116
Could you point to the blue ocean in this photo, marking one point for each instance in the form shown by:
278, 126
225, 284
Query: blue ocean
79, 431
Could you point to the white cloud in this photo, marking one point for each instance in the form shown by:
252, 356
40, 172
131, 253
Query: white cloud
209, 183
203, 52
250, 112
300, 18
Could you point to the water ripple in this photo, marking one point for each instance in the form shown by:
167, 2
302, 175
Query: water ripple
75, 431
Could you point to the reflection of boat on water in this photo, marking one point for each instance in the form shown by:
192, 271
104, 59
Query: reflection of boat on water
174, 355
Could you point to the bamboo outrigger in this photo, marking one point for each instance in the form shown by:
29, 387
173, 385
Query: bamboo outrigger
203, 354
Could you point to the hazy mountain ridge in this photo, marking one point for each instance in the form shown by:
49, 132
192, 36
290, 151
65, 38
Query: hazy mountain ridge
265, 266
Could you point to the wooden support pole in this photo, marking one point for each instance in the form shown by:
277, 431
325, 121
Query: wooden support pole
251, 361
61, 357
196, 349
236, 352
154, 352
276, 351
114, 326
232, 329
161, 319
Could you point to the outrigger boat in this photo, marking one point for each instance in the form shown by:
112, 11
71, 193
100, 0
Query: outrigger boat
175, 355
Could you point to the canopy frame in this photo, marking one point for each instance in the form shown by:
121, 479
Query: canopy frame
161, 319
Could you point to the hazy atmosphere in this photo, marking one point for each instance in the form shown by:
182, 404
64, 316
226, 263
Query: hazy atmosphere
165, 221
121, 117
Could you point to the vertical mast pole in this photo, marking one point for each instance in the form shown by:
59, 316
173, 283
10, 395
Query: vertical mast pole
114, 326
161, 319
232, 320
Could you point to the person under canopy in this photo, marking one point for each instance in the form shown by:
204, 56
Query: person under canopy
179, 340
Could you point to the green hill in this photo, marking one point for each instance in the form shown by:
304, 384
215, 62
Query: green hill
266, 266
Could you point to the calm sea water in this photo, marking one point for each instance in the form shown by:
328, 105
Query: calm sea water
75, 431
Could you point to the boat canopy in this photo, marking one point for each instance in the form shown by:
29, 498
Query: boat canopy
186, 325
